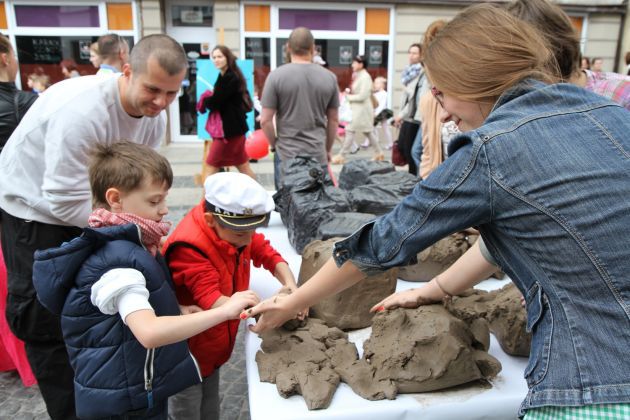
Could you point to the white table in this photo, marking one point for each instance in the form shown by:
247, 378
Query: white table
465, 402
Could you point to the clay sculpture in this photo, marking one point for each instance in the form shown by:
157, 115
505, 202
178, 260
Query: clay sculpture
360, 297
296, 361
433, 349
410, 350
503, 310
436, 258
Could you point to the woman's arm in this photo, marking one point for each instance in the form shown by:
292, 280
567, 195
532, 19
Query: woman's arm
328, 281
467, 271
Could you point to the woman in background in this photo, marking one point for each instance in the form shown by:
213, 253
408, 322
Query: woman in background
359, 95
231, 100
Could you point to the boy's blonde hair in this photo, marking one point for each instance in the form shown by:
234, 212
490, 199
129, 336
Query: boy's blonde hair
381, 79
126, 166
484, 51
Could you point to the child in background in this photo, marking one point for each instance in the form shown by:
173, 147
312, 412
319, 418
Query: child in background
382, 114
38, 83
120, 319
210, 254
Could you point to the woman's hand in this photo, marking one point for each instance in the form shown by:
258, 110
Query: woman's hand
411, 298
274, 312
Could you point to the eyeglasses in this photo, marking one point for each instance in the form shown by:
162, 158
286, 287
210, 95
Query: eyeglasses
437, 94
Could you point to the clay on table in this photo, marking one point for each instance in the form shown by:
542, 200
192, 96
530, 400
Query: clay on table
427, 348
349, 309
504, 312
296, 361
436, 258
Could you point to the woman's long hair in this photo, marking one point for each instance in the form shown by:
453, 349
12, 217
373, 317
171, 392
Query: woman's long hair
484, 51
231, 64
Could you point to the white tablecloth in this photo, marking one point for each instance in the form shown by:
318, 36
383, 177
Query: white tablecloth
465, 402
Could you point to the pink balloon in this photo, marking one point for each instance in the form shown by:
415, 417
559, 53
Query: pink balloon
256, 145
341, 131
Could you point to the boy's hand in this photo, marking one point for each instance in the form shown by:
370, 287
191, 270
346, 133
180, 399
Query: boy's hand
189, 309
411, 298
238, 302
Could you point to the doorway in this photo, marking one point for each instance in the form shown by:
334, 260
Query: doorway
191, 23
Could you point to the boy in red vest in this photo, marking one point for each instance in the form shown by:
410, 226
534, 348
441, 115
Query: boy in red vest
209, 255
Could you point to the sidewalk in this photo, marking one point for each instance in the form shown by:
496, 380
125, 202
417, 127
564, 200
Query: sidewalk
19, 403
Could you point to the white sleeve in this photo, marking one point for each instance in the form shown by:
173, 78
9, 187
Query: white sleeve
121, 290
65, 184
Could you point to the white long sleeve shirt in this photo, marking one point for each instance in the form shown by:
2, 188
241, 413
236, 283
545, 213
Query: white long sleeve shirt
122, 291
43, 167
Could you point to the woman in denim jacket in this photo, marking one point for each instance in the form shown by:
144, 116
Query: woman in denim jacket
543, 171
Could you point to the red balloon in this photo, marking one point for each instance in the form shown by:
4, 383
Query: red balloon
256, 145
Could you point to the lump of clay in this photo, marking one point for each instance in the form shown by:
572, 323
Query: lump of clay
296, 361
427, 349
349, 309
503, 310
436, 258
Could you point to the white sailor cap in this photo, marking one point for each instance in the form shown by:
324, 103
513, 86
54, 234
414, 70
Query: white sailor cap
237, 201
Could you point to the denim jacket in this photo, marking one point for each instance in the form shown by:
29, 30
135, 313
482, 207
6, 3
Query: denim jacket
546, 180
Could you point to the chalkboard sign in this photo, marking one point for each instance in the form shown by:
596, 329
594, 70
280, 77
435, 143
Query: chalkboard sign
259, 50
39, 49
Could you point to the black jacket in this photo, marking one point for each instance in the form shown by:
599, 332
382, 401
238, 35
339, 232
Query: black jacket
13, 105
228, 100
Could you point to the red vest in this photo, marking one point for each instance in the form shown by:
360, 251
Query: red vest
213, 347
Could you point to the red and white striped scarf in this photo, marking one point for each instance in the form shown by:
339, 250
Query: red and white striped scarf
151, 231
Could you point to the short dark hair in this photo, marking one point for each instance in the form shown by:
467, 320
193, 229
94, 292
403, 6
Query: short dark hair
109, 45
555, 27
301, 41
125, 165
169, 54
360, 59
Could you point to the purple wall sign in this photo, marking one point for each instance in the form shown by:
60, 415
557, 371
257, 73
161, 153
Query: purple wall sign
320, 20
57, 16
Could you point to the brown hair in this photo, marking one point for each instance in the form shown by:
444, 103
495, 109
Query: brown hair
301, 41
5, 44
110, 45
231, 64
169, 54
125, 165
483, 52
557, 29
429, 35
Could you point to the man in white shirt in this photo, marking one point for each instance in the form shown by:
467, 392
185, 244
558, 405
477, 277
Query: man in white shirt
44, 190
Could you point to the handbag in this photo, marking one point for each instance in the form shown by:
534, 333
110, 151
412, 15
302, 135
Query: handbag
214, 126
398, 158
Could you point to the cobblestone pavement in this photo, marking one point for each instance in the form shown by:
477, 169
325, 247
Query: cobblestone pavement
20, 403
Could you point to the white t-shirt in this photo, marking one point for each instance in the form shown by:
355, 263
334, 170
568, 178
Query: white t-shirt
122, 290
381, 97
43, 167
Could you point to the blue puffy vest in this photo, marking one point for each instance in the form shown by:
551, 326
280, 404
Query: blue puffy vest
114, 373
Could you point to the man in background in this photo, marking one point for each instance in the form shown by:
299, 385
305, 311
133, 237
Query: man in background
304, 98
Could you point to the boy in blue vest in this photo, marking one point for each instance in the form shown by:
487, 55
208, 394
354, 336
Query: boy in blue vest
123, 328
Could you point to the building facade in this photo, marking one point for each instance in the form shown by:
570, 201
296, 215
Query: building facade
45, 33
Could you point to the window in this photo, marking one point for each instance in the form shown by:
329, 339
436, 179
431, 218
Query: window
192, 15
57, 16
